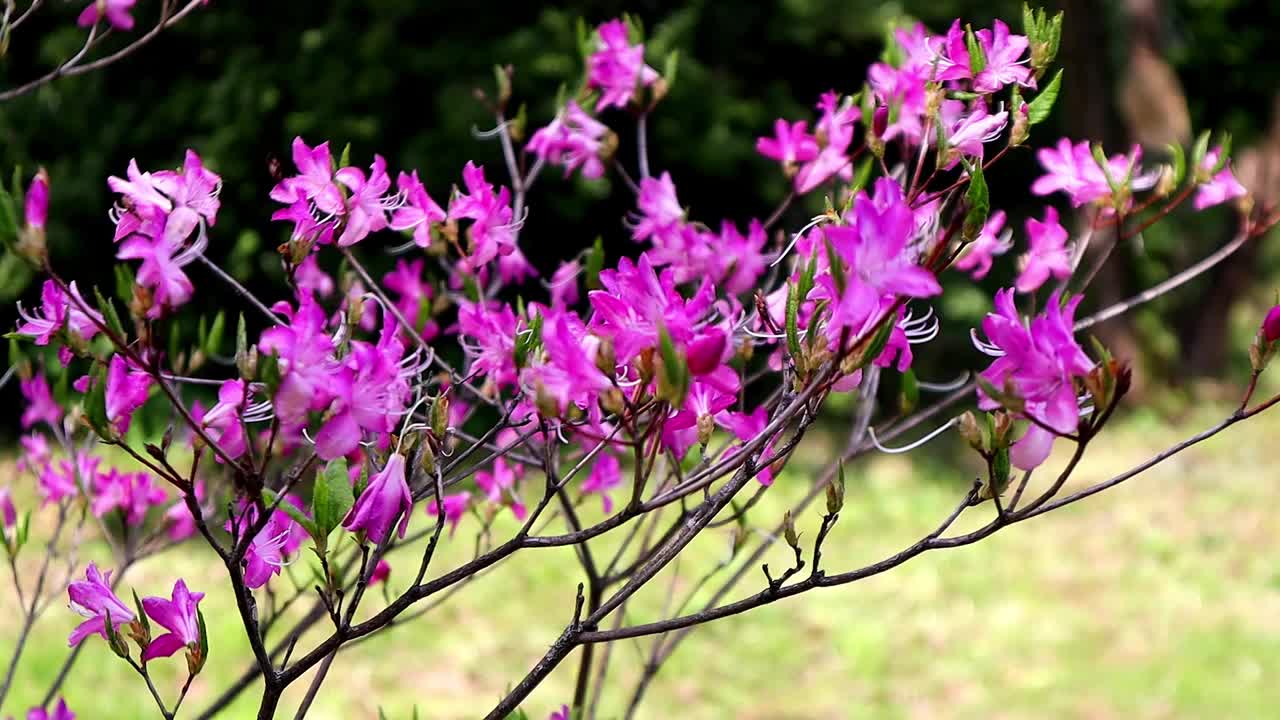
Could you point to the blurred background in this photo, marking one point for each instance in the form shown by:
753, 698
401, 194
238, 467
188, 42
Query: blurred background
1156, 601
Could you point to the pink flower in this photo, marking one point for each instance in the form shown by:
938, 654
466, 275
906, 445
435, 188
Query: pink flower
304, 350
617, 67
366, 209
1039, 362
747, 427
1048, 253
224, 419
65, 479
386, 499
267, 551
35, 452
455, 506
492, 231
876, 245
179, 616
370, 390
488, 335
8, 513
660, 211
161, 271
635, 302
835, 135
791, 143
167, 205
1271, 324
419, 212
989, 243
1072, 169
315, 179
564, 285
178, 518
1004, 60
40, 403
499, 486
60, 712
130, 493
116, 12
58, 311
36, 210
569, 374
573, 140
381, 572
561, 714
967, 132
311, 280
415, 293
127, 390
1220, 188
92, 598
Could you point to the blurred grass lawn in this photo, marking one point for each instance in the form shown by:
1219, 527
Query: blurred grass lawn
1158, 599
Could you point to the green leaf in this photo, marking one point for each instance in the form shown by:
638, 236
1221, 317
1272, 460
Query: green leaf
142, 614
272, 499
108, 309
345, 160
673, 375
669, 68
836, 264
793, 322
910, 396
977, 58
1198, 151
1224, 152
1039, 108
595, 263
213, 342
1000, 471
1030, 26
95, 405
861, 176
1179, 157
979, 200
124, 283
204, 637
8, 219
331, 498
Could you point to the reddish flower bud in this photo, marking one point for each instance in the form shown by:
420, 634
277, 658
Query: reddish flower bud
1271, 324
37, 209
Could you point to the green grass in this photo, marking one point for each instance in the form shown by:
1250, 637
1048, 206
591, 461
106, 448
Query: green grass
1159, 599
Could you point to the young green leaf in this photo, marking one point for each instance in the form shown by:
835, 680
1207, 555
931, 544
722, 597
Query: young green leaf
1038, 109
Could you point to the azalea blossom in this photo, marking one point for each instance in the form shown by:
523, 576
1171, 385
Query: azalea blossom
93, 598
115, 11
178, 616
990, 242
133, 494
569, 374
876, 244
419, 212
60, 712
1005, 64
617, 67
1071, 169
791, 144
606, 474
455, 506
41, 406
660, 211
36, 207
573, 140
386, 499
1047, 254
127, 390
1219, 188
366, 206
304, 350
492, 231
1039, 361
8, 513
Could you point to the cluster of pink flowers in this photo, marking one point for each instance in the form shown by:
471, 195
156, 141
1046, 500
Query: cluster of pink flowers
94, 599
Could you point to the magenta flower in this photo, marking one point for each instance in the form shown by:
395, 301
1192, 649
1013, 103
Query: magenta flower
58, 311
127, 390
312, 280
35, 452
488, 335
968, 132
133, 494
60, 712
414, 293
564, 285
1005, 64
64, 479
636, 302
835, 134
741, 259
747, 427
573, 140
8, 513
304, 350
314, 183
455, 506
40, 402
617, 67
386, 499
268, 550
1048, 253
498, 485
178, 616
193, 196
902, 98
791, 143
92, 598
224, 419
370, 390
381, 572
492, 231
1072, 169
1271, 324
876, 247
660, 211
569, 374
419, 212
178, 518
990, 242
36, 210
561, 714
366, 210
161, 271
115, 11
1220, 188
1039, 361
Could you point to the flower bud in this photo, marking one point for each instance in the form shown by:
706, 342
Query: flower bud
37, 206
606, 360
704, 353
440, 416
835, 492
1271, 324
789, 530
706, 426
1021, 125
970, 432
